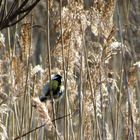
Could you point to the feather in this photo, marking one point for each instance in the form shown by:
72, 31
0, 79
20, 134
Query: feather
55, 86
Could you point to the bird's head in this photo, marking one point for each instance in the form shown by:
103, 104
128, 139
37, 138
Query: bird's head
57, 77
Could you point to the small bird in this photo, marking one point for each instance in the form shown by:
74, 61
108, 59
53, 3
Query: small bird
53, 87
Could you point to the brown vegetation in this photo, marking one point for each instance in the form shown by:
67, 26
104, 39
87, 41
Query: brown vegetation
94, 46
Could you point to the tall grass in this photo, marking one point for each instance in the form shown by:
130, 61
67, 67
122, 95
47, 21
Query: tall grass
91, 45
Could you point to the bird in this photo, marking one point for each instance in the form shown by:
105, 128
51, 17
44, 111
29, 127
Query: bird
54, 89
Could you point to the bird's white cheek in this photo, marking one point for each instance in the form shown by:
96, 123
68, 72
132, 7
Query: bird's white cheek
62, 88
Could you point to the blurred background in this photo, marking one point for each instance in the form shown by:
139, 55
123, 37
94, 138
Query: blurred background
94, 45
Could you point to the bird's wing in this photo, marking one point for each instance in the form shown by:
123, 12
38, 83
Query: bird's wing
46, 89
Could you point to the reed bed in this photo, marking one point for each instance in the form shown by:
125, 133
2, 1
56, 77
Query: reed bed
93, 45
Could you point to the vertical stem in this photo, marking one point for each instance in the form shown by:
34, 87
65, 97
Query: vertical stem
81, 100
8, 32
93, 95
66, 125
49, 56
130, 115
101, 100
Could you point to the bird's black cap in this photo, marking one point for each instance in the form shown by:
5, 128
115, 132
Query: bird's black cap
57, 76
